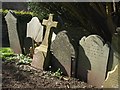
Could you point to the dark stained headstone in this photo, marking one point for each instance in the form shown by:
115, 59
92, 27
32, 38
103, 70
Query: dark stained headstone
28, 45
63, 54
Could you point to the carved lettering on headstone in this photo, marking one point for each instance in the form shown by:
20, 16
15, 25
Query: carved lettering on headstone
12, 32
93, 58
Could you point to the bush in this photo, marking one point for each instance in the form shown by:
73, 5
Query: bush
21, 15
8, 55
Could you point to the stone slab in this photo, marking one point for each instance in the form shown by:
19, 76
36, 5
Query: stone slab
93, 59
35, 29
63, 54
112, 80
12, 32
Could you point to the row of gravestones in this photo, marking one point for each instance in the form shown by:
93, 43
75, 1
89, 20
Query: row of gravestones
88, 61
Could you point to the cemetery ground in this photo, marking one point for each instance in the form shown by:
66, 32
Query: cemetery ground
24, 76
87, 57
17, 73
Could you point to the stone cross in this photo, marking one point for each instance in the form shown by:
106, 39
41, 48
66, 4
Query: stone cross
48, 23
41, 54
12, 32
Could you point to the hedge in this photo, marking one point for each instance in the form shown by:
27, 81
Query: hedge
20, 15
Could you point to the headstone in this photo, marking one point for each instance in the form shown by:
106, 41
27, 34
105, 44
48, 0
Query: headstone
93, 58
28, 45
53, 37
35, 29
35, 32
64, 55
41, 53
112, 80
12, 32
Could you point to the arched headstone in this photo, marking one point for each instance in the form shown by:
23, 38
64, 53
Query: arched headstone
35, 29
34, 34
93, 58
64, 55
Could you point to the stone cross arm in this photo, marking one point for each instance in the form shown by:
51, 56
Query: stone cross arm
49, 23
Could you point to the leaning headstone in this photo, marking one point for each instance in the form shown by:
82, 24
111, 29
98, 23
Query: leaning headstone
41, 54
93, 58
35, 32
112, 80
64, 55
12, 32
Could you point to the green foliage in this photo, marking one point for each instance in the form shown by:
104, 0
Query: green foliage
38, 10
22, 16
58, 73
4, 12
23, 59
5, 53
8, 55
92, 16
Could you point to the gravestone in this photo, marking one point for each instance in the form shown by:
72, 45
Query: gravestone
28, 45
112, 80
64, 55
35, 32
41, 53
93, 58
35, 29
53, 37
12, 32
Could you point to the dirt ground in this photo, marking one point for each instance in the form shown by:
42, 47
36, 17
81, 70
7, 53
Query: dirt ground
24, 76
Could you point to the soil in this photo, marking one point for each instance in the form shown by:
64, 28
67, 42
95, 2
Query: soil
24, 76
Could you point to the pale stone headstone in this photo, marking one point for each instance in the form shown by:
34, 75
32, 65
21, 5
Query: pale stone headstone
112, 80
35, 29
35, 32
53, 37
12, 32
93, 58
41, 53
64, 55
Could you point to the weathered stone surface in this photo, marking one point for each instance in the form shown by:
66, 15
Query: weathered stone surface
12, 32
64, 56
112, 80
93, 58
35, 29
41, 57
